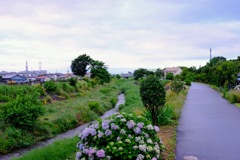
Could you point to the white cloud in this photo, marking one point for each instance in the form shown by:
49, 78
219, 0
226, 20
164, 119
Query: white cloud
123, 34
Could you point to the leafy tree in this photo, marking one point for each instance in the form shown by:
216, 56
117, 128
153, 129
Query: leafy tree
153, 96
159, 73
101, 74
79, 65
141, 72
215, 60
169, 76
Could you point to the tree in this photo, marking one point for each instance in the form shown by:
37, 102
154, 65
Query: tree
159, 73
79, 65
141, 72
169, 76
153, 96
101, 74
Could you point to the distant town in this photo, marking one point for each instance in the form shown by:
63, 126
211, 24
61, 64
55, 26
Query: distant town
40, 76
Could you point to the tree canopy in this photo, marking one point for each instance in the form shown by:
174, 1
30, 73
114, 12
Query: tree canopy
79, 65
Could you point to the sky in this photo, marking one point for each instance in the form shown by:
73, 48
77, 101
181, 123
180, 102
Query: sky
125, 34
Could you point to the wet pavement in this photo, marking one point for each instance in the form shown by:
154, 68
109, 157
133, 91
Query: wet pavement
209, 126
68, 134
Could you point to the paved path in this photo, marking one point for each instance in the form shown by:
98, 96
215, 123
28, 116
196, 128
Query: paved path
209, 126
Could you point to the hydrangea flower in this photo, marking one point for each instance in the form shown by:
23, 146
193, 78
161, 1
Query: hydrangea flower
130, 124
140, 157
101, 153
108, 132
156, 128
140, 124
137, 130
106, 138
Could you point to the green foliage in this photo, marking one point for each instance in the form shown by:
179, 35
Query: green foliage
23, 111
113, 102
59, 150
188, 82
121, 136
64, 123
233, 96
118, 76
153, 96
86, 115
165, 117
169, 76
73, 81
50, 86
13, 138
97, 108
79, 65
159, 73
141, 72
177, 85
101, 74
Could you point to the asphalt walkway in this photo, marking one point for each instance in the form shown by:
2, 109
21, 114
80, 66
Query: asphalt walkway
209, 126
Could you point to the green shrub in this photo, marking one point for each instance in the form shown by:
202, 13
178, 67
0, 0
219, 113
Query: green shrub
153, 96
86, 115
64, 123
14, 138
50, 86
67, 88
4, 98
233, 96
188, 82
169, 76
73, 81
118, 76
95, 106
23, 111
113, 102
177, 85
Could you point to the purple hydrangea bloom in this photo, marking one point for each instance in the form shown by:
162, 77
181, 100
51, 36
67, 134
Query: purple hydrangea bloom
122, 131
105, 124
140, 124
100, 134
154, 158
137, 130
113, 126
108, 132
130, 124
142, 148
118, 138
91, 151
149, 127
78, 155
140, 157
101, 153
156, 128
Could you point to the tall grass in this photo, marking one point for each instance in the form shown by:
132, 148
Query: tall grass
59, 150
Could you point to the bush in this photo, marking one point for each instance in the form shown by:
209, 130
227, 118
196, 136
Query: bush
95, 106
169, 76
64, 123
177, 85
50, 86
113, 102
233, 96
188, 82
153, 96
118, 76
86, 115
23, 111
121, 136
14, 138
165, 117
73, 81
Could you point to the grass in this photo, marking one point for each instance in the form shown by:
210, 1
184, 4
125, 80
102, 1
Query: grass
238, 105
60, 150
133, 104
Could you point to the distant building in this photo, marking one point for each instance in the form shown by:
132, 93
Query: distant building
43, 78
127, 75
174, 70
14, 78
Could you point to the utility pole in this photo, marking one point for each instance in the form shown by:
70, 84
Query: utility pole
210, 54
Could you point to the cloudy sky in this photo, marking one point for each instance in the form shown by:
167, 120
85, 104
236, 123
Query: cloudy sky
125, 34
